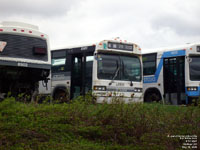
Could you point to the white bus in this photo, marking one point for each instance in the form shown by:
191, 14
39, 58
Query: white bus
172, 74
109, 68
24, 58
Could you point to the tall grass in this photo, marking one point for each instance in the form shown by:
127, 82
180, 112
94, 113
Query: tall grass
85, 125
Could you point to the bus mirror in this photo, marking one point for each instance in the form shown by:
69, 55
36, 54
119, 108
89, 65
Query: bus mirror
189, 60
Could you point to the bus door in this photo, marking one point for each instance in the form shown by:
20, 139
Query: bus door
81, 78
174, 79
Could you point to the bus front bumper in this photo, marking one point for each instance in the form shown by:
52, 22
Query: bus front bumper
109, 100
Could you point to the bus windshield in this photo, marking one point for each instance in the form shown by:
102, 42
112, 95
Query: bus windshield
117, 67
195, 68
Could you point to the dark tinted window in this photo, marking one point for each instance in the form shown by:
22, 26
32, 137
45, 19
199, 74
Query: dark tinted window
58, 61
195, 68
117, 67
19, 46
149, 64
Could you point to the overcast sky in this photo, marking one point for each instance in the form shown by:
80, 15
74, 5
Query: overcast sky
149, 23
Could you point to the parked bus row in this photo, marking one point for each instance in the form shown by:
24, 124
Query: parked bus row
110, 68
170, 75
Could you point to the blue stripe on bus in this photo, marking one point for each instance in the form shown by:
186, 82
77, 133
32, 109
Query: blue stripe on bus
173, 53
192, 94
154, 79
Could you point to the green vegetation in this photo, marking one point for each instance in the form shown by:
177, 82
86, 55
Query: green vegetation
83, 125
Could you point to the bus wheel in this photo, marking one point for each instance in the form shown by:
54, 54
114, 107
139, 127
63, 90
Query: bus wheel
61, 96
152, 97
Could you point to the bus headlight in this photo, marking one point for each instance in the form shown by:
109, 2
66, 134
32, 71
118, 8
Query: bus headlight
99, 88
192, 88
139, 90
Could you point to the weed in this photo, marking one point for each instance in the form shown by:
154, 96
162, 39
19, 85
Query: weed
83, 124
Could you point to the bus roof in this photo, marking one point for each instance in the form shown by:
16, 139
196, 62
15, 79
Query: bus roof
18, 24
70, 47
172, 48
96, 44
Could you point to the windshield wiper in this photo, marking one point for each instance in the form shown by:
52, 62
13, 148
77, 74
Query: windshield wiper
116, 72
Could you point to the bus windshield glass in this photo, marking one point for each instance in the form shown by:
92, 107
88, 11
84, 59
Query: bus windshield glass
117, 67
195, 68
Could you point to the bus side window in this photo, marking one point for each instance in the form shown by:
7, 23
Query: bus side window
58, 65
149, 64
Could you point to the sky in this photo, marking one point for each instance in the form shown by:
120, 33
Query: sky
148, 23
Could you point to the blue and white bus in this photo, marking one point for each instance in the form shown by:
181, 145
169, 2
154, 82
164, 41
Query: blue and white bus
109, 68
172, 74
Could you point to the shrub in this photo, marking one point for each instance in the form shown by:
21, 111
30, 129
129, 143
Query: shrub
83, 124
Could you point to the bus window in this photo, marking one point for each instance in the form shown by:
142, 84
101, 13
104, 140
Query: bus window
88, 74
195, 68
107, 66
131, 68
149, 64
119, 67
58, 65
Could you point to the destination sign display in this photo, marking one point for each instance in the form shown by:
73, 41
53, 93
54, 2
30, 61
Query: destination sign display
120, 46
39, 50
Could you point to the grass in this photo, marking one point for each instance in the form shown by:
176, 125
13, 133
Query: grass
83, 125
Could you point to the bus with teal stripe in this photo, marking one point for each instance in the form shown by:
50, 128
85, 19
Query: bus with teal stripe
109, 69
172, 75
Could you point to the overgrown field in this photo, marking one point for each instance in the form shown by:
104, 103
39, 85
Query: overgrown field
83, 125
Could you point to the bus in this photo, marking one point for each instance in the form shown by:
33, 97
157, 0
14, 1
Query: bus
110, 68
172, 74
25, 59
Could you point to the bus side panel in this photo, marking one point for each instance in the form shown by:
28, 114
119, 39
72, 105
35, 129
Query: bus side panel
154, 82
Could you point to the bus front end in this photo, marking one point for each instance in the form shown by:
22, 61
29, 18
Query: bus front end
117, 72
193, 74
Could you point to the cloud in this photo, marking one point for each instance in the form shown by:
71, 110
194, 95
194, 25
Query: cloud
39, 8
181, 25
147, 23
181, 18
150, 24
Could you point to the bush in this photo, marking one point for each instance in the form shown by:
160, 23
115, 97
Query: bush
83, 124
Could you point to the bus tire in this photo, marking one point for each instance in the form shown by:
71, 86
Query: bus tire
153, 95
61, 96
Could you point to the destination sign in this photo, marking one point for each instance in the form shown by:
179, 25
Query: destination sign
39, 50
120, 46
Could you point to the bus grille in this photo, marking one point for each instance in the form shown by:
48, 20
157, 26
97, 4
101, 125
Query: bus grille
19, 46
